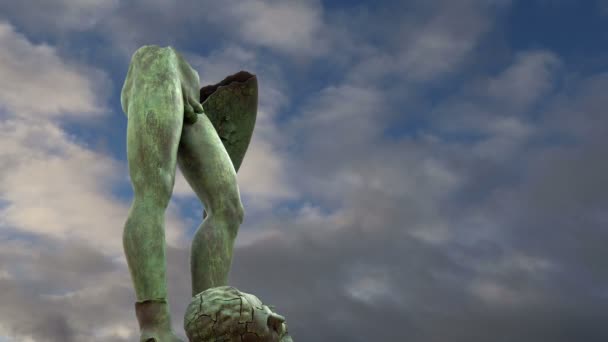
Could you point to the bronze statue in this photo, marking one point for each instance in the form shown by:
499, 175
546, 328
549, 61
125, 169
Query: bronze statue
206, 133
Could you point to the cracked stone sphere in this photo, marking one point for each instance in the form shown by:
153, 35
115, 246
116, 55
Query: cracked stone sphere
226, 314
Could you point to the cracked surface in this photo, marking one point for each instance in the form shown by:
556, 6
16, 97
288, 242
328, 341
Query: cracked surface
226, 314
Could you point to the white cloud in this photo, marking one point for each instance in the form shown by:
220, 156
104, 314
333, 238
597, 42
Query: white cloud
222, 62
506, 136
435, 51
356, 111
308, 219
288, 26
122, 331
59, 16
386, 192
490, 286
434, 39
36, 83
370, 285
437, 232
529, 77
494, 107
263, 174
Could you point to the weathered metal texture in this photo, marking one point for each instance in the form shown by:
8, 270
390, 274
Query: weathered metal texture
157, 85
226, 314
168, 126
232, 105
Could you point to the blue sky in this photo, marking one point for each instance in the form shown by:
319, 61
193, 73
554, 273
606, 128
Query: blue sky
434, 169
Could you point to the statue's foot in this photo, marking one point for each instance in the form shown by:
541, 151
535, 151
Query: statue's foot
155, 321
152, 335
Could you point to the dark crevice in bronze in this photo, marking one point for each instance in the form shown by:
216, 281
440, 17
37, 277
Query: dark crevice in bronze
240, 77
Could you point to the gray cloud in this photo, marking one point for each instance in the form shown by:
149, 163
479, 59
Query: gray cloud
527, 269
423, 43
288, 27
60, 16
510, 247
43, 295
35, 80
426, 237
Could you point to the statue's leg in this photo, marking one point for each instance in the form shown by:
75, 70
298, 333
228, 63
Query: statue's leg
155, 109
208, 169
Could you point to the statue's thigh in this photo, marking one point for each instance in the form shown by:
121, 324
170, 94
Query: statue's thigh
206, 165
155, 119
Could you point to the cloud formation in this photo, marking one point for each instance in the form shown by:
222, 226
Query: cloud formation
397, 185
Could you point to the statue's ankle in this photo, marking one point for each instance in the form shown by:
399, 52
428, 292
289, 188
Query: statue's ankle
153, 314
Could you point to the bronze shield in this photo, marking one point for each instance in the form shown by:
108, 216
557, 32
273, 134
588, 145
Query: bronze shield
232, 106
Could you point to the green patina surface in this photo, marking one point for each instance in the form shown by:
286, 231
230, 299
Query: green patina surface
226, 314
168, 127
232, 110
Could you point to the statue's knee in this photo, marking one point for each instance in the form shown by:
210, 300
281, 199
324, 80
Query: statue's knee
237, 212
233, 212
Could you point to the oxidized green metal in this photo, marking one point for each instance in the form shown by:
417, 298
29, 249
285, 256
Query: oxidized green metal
232, 105
167, 128
226, 314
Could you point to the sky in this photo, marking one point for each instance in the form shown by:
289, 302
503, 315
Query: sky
420, 171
